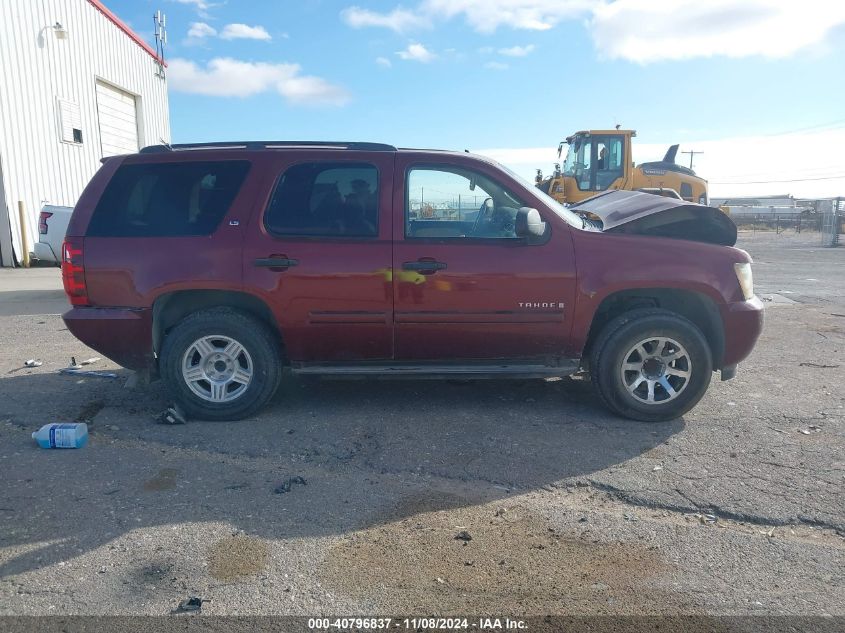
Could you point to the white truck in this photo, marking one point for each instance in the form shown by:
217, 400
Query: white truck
52, 226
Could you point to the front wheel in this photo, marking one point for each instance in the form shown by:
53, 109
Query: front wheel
221, 364
651, 365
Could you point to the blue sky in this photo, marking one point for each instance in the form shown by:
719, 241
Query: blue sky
516, 76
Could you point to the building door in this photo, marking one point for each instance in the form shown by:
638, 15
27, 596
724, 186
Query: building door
118, 118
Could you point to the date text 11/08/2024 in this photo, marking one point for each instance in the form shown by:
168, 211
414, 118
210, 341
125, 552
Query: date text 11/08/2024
417, 624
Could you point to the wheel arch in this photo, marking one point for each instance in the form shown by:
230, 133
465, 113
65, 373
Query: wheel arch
697, 307
170, 308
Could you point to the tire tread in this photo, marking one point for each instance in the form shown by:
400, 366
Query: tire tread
208, 320
599, 376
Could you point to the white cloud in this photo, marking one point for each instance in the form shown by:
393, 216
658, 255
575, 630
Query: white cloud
383, 62
310, 90
200, 30
399, 20
524, 160
244, 32
201, 6
640, 30
761, 165
652, 30
417, 53
734, 166
227, 77
517, 51
496, 66
486, 16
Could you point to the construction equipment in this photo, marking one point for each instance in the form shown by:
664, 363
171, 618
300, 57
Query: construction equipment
599, 160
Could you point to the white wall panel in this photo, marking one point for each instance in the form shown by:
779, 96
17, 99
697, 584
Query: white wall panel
36, 71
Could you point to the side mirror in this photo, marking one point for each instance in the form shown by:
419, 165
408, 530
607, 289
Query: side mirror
528, 223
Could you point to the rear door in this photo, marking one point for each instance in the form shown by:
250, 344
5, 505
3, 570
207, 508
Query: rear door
465, 287
319, 253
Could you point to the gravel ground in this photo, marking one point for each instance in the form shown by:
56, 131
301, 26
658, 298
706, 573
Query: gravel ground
561, 508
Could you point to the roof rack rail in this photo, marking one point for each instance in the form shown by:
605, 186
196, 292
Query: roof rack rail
253, 145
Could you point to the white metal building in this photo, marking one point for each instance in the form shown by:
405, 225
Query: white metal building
76, 84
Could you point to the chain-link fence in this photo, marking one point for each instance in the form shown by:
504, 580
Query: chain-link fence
825, 220
831, 216
778, 222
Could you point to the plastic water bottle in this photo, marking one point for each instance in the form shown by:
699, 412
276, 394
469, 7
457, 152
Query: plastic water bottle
66, 435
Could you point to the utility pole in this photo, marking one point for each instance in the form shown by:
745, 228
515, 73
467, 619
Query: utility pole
692, 154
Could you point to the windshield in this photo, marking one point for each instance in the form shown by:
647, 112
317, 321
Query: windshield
571, 218
574, 156
594, 161
578, 162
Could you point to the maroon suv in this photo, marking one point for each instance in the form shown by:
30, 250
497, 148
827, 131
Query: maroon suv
216, 265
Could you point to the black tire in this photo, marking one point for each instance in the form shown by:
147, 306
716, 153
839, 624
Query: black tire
612, 348
257, 340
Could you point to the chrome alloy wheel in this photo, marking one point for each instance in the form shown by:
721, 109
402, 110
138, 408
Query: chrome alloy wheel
217, 368
656, 370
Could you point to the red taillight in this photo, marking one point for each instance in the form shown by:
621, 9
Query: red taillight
73, 272
42, 222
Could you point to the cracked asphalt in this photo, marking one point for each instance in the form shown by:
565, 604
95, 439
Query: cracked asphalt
736, 509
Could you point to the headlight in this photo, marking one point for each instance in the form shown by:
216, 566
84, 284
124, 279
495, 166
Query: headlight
746, 282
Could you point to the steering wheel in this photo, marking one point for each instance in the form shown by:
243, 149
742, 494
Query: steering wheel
508, 224
483, 211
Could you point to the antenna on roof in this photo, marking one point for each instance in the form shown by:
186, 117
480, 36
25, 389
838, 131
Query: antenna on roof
160, 23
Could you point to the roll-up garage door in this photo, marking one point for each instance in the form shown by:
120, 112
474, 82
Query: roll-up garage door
118, 120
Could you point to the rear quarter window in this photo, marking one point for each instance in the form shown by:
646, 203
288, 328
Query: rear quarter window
167, 199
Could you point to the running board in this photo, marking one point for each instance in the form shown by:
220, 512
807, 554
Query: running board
434, 372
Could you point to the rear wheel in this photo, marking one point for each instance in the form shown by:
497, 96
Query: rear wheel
221, 364
651, 365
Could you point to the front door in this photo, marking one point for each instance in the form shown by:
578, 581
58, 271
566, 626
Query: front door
465, 286
319, 253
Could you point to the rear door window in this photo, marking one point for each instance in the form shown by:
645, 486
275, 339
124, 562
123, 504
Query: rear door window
167, 199
325, 200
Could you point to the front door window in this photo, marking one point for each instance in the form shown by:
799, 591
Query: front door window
455, 203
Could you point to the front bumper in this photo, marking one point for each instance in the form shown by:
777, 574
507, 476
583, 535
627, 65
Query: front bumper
743, 323
122, 334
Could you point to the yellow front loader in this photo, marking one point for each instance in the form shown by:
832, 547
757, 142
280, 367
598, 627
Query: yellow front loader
598, 160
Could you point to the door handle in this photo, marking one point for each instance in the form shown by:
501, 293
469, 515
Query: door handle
424, 266
276, 261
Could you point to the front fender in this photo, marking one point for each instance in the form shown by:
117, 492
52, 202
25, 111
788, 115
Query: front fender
610, 264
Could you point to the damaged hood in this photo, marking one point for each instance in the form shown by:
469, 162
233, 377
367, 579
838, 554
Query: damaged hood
640, 213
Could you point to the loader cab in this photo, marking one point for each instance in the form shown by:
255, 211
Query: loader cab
596, 161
